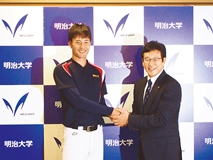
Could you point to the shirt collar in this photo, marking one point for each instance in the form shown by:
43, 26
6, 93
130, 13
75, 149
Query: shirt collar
78, 63
153, 79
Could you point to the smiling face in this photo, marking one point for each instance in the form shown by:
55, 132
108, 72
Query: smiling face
80, 47
153, 62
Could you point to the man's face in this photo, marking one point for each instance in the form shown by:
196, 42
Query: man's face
80, 47
153, 63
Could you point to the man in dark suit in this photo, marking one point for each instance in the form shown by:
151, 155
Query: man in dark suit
155, 112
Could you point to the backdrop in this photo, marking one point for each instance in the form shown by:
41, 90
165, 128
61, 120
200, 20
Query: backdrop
33, 40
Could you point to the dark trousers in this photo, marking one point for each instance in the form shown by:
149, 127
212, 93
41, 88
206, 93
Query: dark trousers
140, 152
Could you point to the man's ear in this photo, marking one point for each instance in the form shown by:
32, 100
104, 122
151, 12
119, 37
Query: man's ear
69, 44
164, 59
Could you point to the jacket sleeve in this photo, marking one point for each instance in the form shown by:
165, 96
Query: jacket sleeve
68, 90
79, 102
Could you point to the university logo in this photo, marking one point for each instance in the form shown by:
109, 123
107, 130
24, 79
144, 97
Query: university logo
121, 23
208, 25
18, 105
208, 103
57, 141
172, 61
19, 24
55, 61
120, 103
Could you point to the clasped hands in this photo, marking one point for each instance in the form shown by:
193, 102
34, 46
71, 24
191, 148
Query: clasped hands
119, 117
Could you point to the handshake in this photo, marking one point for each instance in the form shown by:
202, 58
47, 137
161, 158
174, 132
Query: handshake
119, 117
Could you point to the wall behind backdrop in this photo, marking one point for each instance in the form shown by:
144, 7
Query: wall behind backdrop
33, 40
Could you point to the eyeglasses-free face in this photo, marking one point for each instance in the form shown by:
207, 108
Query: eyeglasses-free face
80, 47
153, 63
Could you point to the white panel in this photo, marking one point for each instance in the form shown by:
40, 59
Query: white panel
203, 34
22, 104
130, 32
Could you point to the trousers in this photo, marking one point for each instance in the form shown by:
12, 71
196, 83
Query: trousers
78, 144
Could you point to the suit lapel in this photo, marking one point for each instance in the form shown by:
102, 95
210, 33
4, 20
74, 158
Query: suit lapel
154, 91
141, 93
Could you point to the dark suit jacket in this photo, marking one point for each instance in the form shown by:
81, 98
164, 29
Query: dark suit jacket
157, 120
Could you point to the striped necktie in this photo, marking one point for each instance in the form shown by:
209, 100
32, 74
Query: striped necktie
147, 91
